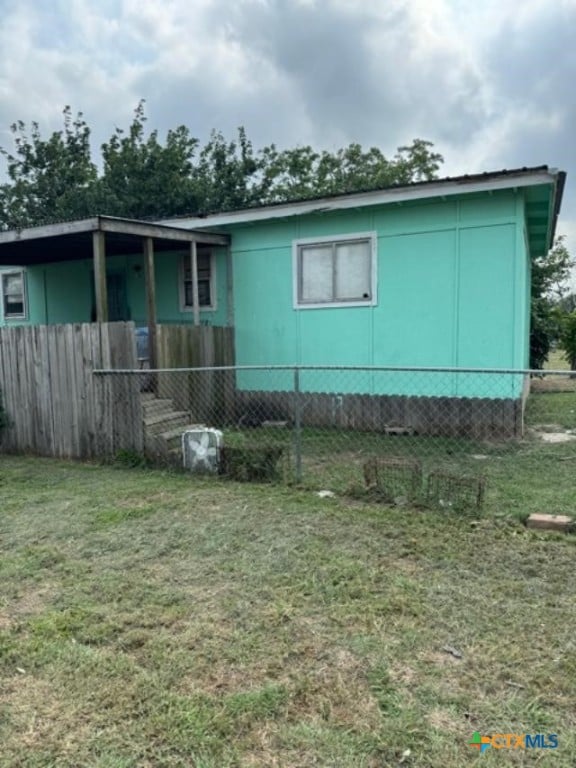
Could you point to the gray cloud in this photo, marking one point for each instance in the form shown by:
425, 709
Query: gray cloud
492, 87
533, 68
362, 76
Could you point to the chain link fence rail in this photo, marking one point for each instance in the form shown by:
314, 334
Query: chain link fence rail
433, 435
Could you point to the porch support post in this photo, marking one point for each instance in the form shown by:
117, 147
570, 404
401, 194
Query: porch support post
194, 272
229, 286
100, 286
150, 300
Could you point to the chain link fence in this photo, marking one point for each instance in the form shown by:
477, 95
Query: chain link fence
444, 437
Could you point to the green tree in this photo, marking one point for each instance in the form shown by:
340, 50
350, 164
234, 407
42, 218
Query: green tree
226, 174
549, 280
49, 179
567, 303
143, 178
302, 172
567, 338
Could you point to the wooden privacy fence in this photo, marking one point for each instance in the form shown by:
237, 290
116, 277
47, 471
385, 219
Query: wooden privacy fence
185, 346
55, 405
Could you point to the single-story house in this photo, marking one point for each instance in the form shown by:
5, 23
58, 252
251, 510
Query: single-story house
431, 274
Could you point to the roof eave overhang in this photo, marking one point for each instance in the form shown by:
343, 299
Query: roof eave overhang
111, 224
398, 195
555, 206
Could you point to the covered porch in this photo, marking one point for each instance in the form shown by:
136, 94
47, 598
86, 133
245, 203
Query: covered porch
92, 270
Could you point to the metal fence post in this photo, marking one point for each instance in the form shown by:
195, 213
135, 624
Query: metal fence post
297, 432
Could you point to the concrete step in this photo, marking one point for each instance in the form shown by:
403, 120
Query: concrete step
164, 422
146, 396
156, 406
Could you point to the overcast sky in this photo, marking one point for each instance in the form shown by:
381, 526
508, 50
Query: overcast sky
490, 82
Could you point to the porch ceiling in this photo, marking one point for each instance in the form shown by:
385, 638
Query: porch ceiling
72, 240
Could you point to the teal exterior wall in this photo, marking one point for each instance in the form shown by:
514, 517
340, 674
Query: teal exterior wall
62, 292
452, 291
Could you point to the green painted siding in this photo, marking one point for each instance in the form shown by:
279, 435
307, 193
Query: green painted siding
63, 292
453, 290
452, 283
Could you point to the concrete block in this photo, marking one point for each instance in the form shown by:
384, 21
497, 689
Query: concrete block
561, 523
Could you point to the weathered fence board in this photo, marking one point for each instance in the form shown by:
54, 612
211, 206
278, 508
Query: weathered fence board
185, 346
55, 404
188, 346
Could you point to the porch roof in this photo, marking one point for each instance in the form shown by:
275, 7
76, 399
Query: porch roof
72, 240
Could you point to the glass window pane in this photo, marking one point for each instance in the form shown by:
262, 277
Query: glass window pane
203, 262
353, 271
204, 293
13, 285
13, 294
13, 307
316, 273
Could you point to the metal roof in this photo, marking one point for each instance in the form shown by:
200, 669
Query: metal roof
468, 178
543, 186
71, 240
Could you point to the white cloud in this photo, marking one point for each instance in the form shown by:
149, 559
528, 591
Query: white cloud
488, 82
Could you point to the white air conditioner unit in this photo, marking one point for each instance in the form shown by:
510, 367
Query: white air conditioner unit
201, 449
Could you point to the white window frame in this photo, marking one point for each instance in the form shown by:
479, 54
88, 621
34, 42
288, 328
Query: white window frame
371, 237
9, 273
183, 264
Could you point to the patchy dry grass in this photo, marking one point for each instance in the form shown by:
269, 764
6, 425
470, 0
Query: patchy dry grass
522, 475
148, 619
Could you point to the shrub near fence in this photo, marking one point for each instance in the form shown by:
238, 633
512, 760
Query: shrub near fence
321, 426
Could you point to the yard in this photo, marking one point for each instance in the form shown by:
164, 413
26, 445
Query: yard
147, 619
522, 476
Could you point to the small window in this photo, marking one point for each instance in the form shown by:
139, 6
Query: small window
206, 282
13, 295
335, 271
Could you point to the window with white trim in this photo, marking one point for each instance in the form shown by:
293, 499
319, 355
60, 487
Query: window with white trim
13, 295
335, 271
206, 281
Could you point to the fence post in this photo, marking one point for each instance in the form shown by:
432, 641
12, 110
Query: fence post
297, 433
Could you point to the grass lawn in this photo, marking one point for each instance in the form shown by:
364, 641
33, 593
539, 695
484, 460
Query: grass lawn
151, 619
522, 476
556, 361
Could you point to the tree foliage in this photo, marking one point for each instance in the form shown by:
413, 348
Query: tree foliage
48, 178
302, 172
550, 274
143, 176
567, 337
226, 174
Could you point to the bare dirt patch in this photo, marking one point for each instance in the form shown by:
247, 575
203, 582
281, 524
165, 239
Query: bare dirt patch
33, 601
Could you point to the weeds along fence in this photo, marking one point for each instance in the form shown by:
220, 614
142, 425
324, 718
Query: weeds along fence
403, 433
